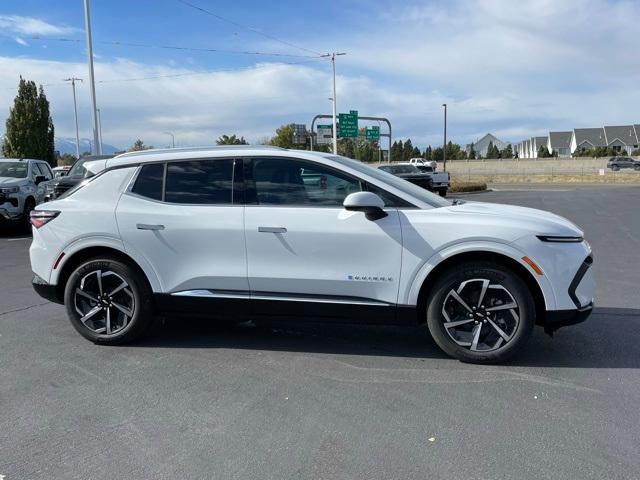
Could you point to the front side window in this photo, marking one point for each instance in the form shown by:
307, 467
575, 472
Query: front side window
284, 181
202, 182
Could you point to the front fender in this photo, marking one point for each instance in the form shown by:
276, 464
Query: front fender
412, 291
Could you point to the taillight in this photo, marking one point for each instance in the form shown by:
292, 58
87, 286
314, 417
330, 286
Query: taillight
39, 218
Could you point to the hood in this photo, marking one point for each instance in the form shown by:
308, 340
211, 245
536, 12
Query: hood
11, 181
539, 221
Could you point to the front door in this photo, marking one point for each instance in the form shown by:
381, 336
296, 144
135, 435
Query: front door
306, 254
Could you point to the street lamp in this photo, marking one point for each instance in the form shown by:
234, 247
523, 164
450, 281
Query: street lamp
173, 139
444, 147
333, 56
75, 111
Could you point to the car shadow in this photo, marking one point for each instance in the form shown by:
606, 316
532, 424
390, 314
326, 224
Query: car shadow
608, 339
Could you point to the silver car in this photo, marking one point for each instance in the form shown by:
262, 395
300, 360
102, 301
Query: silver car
21, 187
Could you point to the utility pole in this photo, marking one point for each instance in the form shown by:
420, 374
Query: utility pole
333, 56
444, 147
100, 127
75, 111
92, 83
173, 139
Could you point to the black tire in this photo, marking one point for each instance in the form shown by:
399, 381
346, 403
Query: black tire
442, 192
636, 168
29, 205
138, 290
518, 333
615, 168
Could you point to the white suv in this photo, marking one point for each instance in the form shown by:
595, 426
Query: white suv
251, 232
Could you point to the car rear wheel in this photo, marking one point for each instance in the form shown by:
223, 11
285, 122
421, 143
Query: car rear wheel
615, 168
442, 192
480, 312
108, 301
636, 167
29, 205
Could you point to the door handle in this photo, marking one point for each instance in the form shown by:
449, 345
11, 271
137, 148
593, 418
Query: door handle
272, 229
146, 226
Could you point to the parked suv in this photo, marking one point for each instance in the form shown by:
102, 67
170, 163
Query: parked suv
264, 232
85, 167
20, 187
616, 163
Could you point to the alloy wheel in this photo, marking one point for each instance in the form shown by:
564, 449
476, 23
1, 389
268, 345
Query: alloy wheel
481, 315
105, 302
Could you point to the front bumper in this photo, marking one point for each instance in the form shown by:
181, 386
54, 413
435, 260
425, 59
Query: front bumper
556, 319
45, 290
10, 215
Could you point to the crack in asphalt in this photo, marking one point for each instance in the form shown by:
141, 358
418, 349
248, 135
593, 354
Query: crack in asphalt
24, 308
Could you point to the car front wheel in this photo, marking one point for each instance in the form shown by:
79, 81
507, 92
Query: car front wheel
108, 301
480, 312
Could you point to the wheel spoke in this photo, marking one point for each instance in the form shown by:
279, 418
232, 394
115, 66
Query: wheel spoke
485, 285
118, 288
123, 309
99, 275
458, 322
108, 322
86, 295
505, 306
476, 336
91, 313
455, 295
499, 330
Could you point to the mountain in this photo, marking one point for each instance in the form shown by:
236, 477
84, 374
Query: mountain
68, 145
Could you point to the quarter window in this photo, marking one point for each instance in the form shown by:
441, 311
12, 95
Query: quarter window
200, 182
281, 181
149, 181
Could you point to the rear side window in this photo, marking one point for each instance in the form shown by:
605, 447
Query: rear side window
149, 181
203, 182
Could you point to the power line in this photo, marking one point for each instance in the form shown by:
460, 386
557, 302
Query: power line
118, 43
251, 29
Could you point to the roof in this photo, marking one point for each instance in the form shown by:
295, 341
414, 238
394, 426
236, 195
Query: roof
560, 139
594, 136
483, 143
540, 141
158, 155
624, 133
21, 160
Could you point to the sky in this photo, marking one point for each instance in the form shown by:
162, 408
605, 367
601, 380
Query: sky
515, 69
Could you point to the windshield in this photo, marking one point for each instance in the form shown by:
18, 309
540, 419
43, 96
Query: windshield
14, 169
403, 169
402, 185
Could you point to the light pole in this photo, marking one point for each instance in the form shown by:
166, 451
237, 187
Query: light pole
444, 147
92, 83
173, 139
100, 128
333, 56
75, 111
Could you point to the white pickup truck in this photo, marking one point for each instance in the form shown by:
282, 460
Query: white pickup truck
440, 179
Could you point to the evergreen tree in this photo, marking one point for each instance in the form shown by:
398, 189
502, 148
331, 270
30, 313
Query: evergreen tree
29, 129
407, 150
543, 152
472, 152
139, 146
416, 153
428, 153
507, 152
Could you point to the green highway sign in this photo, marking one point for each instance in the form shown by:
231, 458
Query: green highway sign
348, 124
372, 133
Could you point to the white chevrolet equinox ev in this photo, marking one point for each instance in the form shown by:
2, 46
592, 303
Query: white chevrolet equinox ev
259, 232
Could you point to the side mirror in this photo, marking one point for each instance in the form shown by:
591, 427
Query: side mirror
40, 179
368, 202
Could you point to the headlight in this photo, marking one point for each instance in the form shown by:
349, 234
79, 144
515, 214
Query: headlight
10, 190
560, 239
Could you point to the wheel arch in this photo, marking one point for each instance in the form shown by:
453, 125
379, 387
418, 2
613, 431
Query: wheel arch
493, 257
79, 256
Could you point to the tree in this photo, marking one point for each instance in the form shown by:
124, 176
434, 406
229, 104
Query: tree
66, 159
231, 140
507, 152
407, 150
29, 128
472, 153
284, 138
492, 151
543, 152
416, 153
139, 146
396, 151
454, 152
428, 153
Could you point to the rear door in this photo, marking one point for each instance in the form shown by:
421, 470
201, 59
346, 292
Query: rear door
185, 220
306, 254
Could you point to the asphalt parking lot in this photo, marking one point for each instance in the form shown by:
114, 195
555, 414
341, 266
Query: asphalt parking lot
199, 400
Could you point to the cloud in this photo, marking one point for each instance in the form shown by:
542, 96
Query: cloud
21, 42
32, 26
